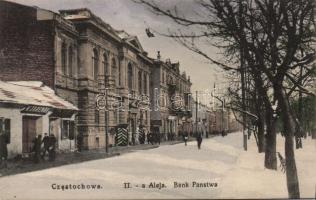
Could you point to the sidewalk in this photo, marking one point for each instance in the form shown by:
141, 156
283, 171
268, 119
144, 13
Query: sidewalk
22, 166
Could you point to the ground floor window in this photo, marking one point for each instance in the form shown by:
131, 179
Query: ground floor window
68, 129
5, 128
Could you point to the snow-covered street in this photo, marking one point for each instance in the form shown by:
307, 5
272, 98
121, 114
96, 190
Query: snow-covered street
221, 161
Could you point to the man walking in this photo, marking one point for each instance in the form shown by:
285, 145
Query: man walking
199, 140
185, 137
52, 152
46, 145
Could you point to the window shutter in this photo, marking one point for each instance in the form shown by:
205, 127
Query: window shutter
7, 130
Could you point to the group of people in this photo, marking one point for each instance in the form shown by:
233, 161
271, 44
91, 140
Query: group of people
153, 138
49, 147
198, 136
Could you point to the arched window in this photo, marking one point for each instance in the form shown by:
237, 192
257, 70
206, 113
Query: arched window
105, 64
145, 83
64, 58
130, 76
95, 60
114, 72
70, 57
140, 82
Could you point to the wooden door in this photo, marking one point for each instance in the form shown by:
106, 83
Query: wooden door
28, 134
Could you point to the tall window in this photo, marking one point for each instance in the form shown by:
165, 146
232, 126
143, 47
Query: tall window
119, 75
63, 58
114, 72
70, 52
163, 77
96, 117
105, 64
95, 60
140, 82
130, 76
145, 83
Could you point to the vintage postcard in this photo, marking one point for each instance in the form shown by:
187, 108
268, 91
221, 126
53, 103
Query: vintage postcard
157, 99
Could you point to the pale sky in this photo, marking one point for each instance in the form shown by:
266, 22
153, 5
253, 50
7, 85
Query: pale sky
134, 19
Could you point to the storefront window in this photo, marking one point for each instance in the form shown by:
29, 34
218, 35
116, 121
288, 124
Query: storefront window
68, 129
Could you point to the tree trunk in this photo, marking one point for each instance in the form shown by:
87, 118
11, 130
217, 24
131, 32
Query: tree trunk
261, 139
270, 160
289, 130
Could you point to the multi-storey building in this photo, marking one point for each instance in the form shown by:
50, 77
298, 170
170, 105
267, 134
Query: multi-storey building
171, 108
78, 55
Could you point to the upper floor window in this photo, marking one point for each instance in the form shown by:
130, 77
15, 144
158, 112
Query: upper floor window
163, 77
145, 83
64, 58
105, 64
130, 76
95, 61
114, 72
140, 82
119, 75
96, 117
70, 57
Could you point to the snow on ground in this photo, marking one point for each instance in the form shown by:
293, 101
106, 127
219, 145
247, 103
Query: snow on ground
239, 174
249, 178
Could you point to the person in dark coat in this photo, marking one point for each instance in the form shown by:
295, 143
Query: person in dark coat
199, 140
52, 147
185, 137
46, 145
37, 148
3, 149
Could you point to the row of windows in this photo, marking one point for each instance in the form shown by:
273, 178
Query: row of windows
67, 55
116, 69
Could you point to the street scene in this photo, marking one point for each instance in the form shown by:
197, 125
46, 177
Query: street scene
150, 99
221, 162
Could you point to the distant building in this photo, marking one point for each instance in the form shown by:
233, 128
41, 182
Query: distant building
170, 92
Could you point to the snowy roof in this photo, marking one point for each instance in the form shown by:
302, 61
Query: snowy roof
32, 93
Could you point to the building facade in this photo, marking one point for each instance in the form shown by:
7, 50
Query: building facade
29, 109
170, 92
82, 58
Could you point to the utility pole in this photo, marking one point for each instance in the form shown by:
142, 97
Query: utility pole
242, 74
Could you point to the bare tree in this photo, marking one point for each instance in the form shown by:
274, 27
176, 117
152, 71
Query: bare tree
275, 39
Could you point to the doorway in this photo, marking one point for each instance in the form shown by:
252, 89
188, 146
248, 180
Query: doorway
28, 133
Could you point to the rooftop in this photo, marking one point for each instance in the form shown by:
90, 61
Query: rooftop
32, 93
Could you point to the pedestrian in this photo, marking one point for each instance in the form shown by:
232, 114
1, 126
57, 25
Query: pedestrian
150, 138
45, 141
199, 140
185, 137
52, 147
3, 150
158, 138
37, 141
